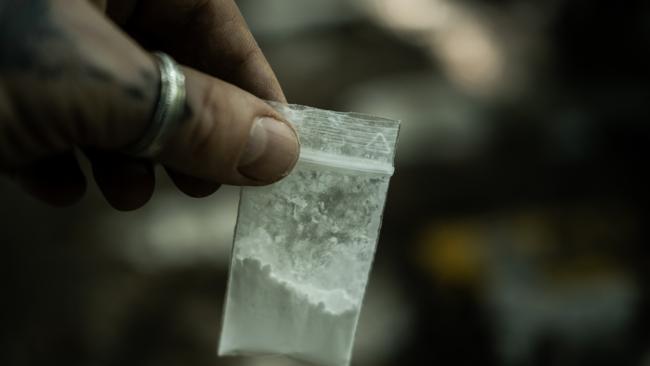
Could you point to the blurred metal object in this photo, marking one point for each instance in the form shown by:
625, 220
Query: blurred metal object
481, 51
462, 39
169, 109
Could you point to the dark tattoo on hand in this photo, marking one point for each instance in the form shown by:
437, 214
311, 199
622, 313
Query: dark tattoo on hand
24, 28
32, 43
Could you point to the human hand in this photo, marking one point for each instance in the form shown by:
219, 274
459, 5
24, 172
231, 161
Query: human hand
75, 73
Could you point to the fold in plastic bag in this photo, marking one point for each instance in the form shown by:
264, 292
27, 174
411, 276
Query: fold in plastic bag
304, 246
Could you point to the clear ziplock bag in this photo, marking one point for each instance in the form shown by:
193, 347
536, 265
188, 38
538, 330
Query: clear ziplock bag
304, 246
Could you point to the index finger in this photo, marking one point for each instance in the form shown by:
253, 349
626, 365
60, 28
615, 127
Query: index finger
209, 35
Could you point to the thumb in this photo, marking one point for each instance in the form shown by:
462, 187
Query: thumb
230, 136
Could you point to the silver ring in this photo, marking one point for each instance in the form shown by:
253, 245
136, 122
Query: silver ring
169, 109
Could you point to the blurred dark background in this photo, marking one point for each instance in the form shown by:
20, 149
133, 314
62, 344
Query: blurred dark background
516, 229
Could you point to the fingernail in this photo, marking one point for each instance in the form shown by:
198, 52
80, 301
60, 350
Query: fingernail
271, 152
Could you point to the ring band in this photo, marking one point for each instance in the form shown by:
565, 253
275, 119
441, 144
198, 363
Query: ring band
169, 109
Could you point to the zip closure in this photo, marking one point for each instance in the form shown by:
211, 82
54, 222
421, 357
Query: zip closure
319, 158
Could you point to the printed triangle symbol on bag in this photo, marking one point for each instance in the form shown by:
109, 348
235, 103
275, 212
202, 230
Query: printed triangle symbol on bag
379, 143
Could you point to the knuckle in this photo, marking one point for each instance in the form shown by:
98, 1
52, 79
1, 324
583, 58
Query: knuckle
206, 123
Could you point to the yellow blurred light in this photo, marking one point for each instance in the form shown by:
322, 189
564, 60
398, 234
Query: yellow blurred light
452, 253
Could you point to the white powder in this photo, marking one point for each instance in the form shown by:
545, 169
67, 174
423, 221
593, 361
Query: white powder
300, 265
265, 314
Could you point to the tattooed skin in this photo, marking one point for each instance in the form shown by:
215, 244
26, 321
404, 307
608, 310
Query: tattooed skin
24, 26
55, 79
31, 42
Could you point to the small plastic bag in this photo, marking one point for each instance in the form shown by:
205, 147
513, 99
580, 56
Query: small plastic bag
304, 246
